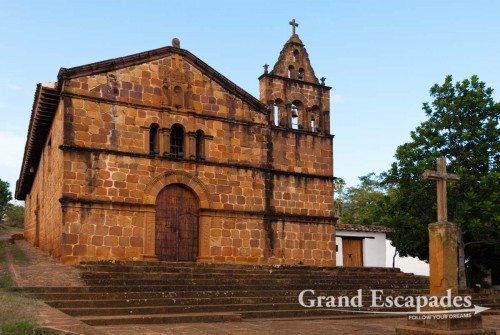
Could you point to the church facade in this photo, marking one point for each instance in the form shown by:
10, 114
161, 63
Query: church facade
157, 156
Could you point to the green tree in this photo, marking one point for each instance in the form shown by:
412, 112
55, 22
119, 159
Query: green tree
14, 215
462, 126
5, 197
364, 204
339, 196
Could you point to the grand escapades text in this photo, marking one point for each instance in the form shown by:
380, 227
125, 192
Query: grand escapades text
308, 299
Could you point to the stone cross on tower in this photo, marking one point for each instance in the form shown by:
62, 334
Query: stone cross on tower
441, 178
293, 24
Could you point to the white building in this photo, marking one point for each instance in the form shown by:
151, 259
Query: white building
359, 245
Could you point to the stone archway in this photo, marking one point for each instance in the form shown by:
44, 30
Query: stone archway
198, 191
176, 224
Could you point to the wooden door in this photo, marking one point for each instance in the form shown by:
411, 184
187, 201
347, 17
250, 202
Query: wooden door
176, 224
352, 251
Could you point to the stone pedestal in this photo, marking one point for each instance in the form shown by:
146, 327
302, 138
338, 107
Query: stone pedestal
443, 258
444, 276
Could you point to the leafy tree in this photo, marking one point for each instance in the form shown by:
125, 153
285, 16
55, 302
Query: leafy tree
463, 126
364, 204
339, 196
15, 215
5, 197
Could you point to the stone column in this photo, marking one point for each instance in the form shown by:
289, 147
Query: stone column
288, 113
191, 146
270, 106
166, 141
443, 258
205, 222
307, 119
149, 235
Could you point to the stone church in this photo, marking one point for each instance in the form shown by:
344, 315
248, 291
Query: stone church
157, 156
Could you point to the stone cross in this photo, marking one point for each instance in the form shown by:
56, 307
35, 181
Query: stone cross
293, 24
441, 178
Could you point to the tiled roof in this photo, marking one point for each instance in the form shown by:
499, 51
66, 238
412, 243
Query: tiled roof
42, 114
358, 227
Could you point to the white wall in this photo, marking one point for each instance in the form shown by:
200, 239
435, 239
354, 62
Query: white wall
407, 264
373, 248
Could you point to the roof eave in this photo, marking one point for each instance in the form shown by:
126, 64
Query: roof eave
42, 114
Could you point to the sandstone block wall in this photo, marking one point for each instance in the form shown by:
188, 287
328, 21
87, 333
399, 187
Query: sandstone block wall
43, 214
265, 194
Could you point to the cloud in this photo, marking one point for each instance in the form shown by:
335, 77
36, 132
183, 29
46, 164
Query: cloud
336, 98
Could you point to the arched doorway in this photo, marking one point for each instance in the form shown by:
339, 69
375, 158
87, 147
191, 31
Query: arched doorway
176, 224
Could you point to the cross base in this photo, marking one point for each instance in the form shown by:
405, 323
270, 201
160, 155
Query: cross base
443, 264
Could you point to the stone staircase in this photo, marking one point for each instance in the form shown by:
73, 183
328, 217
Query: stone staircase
123, 292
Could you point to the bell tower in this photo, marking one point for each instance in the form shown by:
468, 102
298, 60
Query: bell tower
293, 92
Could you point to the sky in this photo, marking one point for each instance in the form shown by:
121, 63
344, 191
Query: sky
380, 57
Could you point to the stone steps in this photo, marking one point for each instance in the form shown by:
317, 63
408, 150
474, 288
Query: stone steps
176, 301
190, 266
180, 309
252, 275
111, 294
123, 292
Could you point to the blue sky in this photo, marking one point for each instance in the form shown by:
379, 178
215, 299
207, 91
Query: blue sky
380, 57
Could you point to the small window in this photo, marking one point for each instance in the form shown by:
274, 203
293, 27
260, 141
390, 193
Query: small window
200, 145
301, 74
314, 116
177, 141
295, 117
290, 71
154, 147
278, 113
295, 55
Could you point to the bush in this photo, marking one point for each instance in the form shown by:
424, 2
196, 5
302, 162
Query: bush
19, 327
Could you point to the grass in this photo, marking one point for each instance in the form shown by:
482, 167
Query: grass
20, 327
19, 255
5, 277
16, 312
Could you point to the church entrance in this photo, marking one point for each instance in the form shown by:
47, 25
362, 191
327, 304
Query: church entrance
352, 251
176, 226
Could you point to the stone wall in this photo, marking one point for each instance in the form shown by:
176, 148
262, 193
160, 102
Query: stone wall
42, 225
265, 194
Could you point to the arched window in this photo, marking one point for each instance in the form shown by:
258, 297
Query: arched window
314, 117
154, 143
200, 146
296, 109
177, 141
301, 74
178, 97
295, 55
278, 113
290, 71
